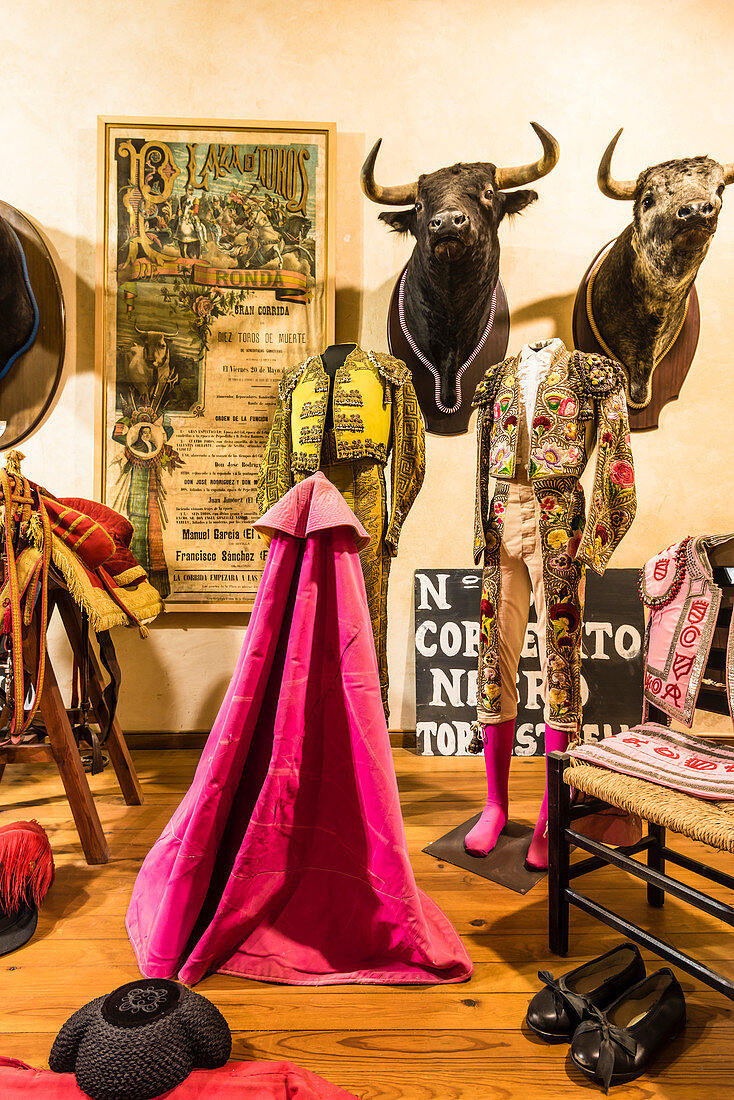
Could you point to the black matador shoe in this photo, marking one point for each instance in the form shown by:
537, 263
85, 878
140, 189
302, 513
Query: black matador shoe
618, 1045
556, 1011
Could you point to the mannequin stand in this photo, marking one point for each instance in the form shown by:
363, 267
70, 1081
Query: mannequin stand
504, 864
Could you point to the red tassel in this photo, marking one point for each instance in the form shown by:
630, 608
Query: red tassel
7, 618
26, 865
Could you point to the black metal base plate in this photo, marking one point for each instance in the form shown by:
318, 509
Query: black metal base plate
504, 865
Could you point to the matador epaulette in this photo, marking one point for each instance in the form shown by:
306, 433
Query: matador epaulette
597, 374
391, 368
485, 391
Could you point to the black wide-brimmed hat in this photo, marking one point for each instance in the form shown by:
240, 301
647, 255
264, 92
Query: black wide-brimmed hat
17, 302
141, 1040
26, 873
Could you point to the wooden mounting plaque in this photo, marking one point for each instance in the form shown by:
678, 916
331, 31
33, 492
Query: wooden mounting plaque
438, 422
27, 390
670, 373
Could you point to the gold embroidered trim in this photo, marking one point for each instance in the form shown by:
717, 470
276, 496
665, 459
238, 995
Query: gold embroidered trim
303, 462
310, 434
134, 573
349, 397
348, 422
313, 408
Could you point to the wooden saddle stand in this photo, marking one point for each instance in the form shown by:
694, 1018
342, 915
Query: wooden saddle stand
52, 557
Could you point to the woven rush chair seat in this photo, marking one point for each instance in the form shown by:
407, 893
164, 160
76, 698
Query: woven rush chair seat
710, 822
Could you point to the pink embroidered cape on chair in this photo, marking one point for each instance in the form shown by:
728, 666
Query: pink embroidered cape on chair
286, 860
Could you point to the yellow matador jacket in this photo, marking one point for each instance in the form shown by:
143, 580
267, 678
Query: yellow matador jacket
580, 403
376, 416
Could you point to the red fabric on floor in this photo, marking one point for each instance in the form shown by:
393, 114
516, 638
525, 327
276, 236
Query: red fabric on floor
239, 1080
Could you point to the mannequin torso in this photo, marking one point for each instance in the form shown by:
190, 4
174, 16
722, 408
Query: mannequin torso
332, 359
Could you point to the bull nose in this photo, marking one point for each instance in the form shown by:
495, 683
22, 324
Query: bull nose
447, 219
702, 209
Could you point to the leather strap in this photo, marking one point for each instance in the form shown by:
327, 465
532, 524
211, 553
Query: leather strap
17, 499
111, 692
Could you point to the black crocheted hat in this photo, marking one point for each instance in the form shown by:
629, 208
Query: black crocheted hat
141, 1040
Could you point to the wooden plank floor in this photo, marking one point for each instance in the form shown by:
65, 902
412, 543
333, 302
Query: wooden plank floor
384, 1042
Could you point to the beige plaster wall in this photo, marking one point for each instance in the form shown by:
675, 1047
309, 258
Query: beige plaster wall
440, 81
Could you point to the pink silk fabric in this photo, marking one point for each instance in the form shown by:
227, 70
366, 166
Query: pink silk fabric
239, 1080
287, 860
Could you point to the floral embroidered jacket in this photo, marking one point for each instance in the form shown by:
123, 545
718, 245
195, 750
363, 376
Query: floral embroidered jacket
678, 588
580, 403
376, 416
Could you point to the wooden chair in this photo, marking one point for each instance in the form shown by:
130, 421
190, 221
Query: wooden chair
711, 823
62, 748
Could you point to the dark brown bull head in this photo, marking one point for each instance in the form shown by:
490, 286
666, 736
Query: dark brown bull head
454, 215
641, 288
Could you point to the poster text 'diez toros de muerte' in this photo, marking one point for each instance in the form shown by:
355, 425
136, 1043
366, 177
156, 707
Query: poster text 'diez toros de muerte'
215, 280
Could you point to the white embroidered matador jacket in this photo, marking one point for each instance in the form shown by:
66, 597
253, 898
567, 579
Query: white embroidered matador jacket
580, 403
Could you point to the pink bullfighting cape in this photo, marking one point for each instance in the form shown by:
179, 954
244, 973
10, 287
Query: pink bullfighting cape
287, 860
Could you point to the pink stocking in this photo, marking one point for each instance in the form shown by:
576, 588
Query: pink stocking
537, 857
498, 742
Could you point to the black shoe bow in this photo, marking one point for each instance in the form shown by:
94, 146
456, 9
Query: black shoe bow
575, 1004
611, 1037
556, 1011
616, 1046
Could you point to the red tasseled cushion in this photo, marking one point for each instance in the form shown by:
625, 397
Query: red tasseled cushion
82, 533
117, 526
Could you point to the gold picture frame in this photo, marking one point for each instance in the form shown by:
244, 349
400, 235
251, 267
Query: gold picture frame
215, 275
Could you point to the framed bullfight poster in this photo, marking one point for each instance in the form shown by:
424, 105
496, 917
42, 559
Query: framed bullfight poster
215, 275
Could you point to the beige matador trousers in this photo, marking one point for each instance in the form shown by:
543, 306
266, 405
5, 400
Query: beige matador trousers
521, 572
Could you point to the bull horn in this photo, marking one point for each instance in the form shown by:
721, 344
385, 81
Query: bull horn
528, 173
386, 196
613, 189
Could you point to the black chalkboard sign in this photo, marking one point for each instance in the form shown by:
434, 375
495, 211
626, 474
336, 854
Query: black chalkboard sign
446, 655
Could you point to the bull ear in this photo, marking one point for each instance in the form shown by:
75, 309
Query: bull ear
514, 202
400, 221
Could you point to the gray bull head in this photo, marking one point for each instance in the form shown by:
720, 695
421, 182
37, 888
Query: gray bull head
641, 288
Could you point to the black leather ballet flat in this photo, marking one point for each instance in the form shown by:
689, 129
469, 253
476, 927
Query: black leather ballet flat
556, 1011
618, 1045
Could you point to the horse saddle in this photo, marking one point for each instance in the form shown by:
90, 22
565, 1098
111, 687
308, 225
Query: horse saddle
75, 545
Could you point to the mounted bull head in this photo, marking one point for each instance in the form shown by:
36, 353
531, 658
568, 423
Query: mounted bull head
454, 216
640, 290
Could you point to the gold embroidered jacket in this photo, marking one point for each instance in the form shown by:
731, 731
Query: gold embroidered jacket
376, 415
580, 402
